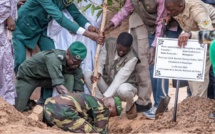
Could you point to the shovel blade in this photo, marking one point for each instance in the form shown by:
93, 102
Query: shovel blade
162, 105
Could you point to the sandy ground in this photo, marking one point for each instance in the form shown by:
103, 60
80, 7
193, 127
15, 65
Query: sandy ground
192, 118
14, 122
122, 122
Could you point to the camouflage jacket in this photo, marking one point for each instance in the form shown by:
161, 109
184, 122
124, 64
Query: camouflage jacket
91, 109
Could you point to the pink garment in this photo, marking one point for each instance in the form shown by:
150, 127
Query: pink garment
128, 8
7, 87
125, 11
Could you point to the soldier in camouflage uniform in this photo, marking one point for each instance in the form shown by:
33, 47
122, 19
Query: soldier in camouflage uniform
81, 113
54, 68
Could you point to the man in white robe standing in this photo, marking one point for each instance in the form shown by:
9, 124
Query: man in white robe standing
8, 13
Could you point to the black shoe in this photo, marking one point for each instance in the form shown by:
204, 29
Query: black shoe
211, 115
30, 105
143, 108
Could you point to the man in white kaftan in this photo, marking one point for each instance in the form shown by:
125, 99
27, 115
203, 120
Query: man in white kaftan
8, 13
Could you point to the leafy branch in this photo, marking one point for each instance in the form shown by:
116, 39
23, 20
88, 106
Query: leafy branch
110, 6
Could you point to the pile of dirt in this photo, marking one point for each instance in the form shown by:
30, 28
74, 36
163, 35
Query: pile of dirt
12, 121
192, 117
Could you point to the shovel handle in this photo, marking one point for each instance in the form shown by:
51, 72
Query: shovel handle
176, 101
163, 87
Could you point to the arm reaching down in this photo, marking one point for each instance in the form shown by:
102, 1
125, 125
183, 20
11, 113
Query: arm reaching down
121, 77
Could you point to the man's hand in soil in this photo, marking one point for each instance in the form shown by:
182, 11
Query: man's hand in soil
94, 78
93, 29
61, 89
94, 36
151, 55
10, 23
182, 39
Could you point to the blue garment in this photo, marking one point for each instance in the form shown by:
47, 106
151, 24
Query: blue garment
156, 82
209, 1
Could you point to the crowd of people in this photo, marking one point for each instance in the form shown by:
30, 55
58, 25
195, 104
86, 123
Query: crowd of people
64, 68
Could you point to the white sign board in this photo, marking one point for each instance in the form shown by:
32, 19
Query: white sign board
172, 62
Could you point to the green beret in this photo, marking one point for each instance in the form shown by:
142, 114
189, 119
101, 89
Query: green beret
212, 54
78, 50
118, 105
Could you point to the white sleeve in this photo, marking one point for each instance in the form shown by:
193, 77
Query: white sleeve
81, 31
87, 25
121, 77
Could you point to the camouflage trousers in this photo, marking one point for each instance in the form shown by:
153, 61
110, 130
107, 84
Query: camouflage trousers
67, 118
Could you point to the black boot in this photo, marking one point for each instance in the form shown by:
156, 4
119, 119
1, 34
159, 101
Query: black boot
143, 108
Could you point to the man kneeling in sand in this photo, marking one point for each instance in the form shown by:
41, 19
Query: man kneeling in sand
54, 68
116, 77
78, 112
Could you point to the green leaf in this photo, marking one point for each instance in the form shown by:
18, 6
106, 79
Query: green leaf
86, 7
98, 14
110, 2
92, 9
97, 7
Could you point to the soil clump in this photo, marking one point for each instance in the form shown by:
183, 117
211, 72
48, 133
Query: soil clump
192, 117
14, 122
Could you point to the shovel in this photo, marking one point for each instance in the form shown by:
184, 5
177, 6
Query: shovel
164, 99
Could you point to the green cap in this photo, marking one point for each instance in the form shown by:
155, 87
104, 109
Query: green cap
78, 50
118, 105
212, 54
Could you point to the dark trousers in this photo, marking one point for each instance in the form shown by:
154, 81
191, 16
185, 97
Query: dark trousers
44, 43
25, 87
211, 86
156, 82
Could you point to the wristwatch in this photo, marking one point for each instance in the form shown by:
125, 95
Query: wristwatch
190, 34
